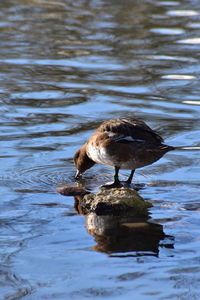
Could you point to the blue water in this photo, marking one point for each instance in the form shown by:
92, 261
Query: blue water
65, 67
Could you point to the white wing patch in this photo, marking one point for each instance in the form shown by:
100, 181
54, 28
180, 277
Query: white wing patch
128, 138
120, 137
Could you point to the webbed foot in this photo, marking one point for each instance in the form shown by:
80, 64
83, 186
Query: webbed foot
115, 184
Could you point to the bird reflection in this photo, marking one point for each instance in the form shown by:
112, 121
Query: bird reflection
124, 233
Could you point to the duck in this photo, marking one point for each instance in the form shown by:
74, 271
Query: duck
122, 143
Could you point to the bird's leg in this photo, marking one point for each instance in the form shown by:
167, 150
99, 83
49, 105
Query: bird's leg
116, 182
116, 177
128, 181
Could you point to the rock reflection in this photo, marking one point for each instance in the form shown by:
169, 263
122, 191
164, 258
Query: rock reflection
124, 233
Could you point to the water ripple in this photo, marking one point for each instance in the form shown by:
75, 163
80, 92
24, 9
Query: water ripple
37, 179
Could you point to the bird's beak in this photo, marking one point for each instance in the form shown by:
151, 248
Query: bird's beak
78, 174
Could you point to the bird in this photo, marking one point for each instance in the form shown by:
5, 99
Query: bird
122, 143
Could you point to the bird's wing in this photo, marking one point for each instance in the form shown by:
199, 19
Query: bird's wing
122, 138
130, 130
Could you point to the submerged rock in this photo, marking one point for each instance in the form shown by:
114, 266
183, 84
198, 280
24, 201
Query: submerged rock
72, 191
116, 200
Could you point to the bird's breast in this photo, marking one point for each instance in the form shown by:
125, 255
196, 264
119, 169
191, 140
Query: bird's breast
100, 155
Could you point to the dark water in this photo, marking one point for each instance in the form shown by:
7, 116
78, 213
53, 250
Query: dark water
65, 67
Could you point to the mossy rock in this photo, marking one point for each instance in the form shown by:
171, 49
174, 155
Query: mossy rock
116, 201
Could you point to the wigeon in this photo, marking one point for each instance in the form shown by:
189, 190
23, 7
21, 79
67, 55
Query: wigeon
125, 143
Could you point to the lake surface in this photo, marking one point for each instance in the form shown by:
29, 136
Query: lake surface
65, 67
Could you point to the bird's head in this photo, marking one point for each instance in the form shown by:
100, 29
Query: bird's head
82, 161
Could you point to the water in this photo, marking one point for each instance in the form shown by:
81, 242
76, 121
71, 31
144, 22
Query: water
65, 67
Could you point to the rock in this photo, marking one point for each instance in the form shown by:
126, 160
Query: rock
72, 191
116, 200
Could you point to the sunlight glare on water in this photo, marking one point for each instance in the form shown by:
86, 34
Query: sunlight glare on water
65, 67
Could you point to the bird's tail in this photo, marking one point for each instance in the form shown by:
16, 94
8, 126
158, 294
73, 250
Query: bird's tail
187, 148
167, 148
